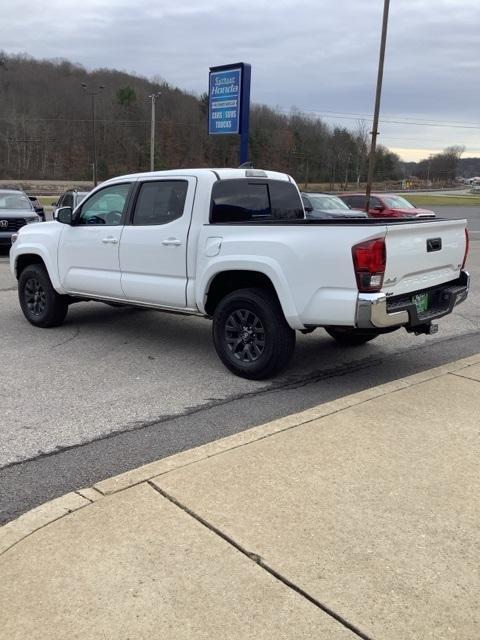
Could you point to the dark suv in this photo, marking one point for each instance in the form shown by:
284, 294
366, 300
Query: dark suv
70, 198
16, 210
37, 205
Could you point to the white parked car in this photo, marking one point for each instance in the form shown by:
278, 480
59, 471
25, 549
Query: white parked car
234, 245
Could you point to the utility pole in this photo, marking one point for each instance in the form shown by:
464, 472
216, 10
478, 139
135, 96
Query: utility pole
93, 93
428, 168
347, 166
307, 172
373, 147
153, 97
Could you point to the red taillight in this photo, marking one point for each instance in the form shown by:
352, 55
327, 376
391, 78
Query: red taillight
369, 261
467, 247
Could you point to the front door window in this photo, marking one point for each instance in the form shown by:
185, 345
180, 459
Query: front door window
105, 207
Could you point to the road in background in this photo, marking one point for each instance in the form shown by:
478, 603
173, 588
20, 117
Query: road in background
115, 388
472, 214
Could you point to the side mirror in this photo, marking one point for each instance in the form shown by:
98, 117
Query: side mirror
379, 207
64, 215
308, 209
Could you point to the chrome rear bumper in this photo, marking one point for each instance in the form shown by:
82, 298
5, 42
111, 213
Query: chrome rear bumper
376, 311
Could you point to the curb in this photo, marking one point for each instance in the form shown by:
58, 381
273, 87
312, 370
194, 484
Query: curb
15, 531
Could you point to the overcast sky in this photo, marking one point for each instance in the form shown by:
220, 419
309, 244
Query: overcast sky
317, 55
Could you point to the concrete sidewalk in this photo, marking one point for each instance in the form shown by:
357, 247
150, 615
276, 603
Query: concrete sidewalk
358, 518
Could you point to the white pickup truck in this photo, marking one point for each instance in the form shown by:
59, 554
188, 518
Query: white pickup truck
234, 245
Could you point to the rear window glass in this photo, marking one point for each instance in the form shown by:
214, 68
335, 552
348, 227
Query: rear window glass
254, 201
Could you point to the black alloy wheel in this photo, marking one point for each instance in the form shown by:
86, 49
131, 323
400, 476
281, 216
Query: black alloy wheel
250, 333
245, 335
42, 306
35, 296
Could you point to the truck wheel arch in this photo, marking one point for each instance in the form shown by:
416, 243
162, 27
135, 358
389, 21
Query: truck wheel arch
25, 260
226, 282
36, 255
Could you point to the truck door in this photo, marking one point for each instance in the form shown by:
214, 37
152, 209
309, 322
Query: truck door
88, 261
153, 248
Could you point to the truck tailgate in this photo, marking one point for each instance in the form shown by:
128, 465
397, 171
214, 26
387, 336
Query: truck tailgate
423, 254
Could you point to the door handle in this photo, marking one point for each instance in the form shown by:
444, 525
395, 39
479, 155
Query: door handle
109, 241
171, 242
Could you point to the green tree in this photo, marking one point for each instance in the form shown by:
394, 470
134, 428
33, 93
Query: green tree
102, 170
126, 96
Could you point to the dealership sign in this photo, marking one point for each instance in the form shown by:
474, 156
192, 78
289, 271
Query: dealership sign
225, 99
229, 102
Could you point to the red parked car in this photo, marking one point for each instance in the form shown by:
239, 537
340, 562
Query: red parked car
386, 205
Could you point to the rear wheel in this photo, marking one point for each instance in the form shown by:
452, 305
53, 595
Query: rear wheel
42, 306
349, 336
250, 334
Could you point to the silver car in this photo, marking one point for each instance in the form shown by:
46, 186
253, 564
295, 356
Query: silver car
326, 206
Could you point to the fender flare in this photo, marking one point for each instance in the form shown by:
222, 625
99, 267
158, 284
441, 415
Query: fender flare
50, 264
267, 266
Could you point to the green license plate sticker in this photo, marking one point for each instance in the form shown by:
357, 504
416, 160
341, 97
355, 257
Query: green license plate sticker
421, 302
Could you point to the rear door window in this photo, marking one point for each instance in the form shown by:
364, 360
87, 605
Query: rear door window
160, 202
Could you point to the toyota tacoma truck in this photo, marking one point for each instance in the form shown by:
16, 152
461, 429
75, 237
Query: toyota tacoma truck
233, 245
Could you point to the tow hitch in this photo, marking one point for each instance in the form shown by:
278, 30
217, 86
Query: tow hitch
428, 329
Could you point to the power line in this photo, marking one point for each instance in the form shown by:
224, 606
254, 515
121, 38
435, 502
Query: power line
343, 115
89, 120
427, 140
427, 123
397, 117
328, 114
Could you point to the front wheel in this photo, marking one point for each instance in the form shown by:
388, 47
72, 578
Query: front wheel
350, 337
42, 306
250, 334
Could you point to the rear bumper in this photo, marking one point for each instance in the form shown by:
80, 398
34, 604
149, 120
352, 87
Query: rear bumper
376, 311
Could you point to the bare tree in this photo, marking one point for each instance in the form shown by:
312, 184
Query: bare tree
45, 128
361, 149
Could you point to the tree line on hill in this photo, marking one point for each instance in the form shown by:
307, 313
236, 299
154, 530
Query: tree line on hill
45, 130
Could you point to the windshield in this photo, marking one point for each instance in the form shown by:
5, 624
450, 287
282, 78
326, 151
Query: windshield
327, 203
80, 197
10, 200
397, 202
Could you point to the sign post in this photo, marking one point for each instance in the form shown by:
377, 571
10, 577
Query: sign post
229, 103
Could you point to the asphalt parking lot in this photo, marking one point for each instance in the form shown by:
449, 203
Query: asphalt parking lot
115, 388
472, 214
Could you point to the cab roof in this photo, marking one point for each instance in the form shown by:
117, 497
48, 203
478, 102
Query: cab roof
218, 174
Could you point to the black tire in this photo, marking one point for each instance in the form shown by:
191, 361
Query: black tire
42, 306
250, 334
350, 337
